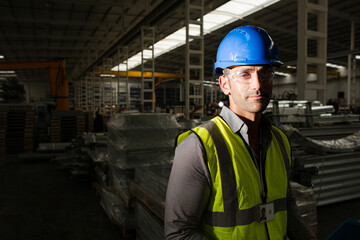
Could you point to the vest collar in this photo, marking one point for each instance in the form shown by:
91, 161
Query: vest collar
238, 126
235, 123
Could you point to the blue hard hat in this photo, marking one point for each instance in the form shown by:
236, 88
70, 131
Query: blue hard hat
246, 45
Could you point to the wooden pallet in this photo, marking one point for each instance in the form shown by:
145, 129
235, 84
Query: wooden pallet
17, 129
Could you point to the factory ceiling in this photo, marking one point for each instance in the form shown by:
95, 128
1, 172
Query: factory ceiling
85, 32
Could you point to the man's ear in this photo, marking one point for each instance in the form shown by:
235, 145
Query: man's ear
224, 85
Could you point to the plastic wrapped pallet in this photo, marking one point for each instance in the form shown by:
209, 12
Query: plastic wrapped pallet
149, 187
116, 210
141, 139
148, 226
305, 199
120, 182
154, 179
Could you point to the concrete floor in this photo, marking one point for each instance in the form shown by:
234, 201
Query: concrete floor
39, 201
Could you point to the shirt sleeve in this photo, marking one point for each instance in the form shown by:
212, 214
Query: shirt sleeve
297, 229
187, 192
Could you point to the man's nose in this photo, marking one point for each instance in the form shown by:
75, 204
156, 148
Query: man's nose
255, 81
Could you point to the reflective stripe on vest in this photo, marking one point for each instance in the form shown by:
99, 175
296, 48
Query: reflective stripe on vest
232, 215
280, 140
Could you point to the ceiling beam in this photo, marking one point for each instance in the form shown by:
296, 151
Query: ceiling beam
158, 13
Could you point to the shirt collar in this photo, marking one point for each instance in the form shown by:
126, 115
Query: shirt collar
237, 125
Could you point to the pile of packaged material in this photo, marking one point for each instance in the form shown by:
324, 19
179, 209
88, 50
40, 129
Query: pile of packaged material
134, 141
119, 180
116, 210
305, 199
148, 226
141, 139
149, 189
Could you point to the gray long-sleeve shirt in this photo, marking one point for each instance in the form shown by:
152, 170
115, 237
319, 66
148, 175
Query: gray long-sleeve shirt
189, 186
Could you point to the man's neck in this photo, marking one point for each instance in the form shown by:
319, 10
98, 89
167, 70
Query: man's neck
253, 131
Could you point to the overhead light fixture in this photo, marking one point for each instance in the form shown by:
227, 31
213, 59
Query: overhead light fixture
357, 57
107, 75
334, 65
2, 57
227, 13
9, 75
282, 74
291, 67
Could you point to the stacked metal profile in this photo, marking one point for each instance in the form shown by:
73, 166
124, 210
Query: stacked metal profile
66, 125
331, 167
17, 128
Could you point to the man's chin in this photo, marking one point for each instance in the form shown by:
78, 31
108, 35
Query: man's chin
258, 107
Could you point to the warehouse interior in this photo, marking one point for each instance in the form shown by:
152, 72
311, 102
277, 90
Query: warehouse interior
93, 94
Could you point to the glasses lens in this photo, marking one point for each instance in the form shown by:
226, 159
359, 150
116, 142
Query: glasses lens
265, 74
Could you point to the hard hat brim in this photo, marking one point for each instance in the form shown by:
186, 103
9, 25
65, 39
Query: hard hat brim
220, 66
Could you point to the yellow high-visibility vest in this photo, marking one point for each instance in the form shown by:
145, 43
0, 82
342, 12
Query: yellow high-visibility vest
233, 209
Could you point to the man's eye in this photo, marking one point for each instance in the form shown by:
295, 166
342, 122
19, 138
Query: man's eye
266, 73
245, 75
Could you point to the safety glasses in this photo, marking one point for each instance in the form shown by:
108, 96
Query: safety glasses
246, 75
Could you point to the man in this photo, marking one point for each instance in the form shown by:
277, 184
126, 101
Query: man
230, 168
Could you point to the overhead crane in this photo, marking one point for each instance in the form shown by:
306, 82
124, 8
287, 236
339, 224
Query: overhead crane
59, 85
146, 74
